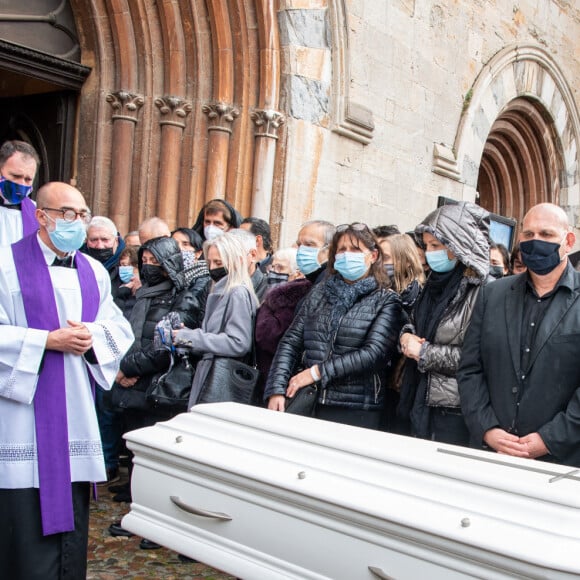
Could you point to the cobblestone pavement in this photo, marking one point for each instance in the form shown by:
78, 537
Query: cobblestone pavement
121, 559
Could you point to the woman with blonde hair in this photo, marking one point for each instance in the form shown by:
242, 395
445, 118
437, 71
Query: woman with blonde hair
407, 275
227, 327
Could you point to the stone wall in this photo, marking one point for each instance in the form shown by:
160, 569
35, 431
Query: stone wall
375, 89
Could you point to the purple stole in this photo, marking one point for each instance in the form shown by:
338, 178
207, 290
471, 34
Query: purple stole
29, 223
50, 415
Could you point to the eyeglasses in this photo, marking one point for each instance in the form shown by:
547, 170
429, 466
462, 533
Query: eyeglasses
70, 215
356, 226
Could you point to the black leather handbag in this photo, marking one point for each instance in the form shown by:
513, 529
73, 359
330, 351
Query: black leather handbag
172, 388
230, 379
303, 402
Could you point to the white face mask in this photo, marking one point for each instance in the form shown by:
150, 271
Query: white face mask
212, 232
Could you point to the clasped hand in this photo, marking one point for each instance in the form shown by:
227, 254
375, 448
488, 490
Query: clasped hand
75, 339
530, 446
411, 345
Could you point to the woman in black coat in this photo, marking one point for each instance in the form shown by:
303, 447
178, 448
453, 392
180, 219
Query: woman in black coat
343, 336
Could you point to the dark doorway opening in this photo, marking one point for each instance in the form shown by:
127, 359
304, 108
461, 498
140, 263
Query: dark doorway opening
47, 122
522, 161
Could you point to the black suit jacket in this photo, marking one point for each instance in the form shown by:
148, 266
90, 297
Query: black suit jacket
495, 392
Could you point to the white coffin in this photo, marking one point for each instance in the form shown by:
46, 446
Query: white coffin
264, 495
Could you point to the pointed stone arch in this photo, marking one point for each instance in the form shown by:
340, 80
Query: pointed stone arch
518, 135
174, 111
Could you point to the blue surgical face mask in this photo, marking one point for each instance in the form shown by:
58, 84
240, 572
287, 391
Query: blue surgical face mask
13, 192
126, 273
68, 236
439, 261
351, 265
307, 259
539, 256
390, 270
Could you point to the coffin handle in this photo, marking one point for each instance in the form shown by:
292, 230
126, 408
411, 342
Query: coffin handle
379, 573
197, 511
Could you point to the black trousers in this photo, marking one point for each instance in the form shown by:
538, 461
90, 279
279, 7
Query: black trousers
348, 416
25, 554
448, 426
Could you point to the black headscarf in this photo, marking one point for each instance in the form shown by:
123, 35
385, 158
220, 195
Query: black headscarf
438, 292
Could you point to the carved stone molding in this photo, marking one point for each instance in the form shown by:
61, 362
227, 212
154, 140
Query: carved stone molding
173, 111
267, 122
350, 119
43, 66
355, 122
445, 162
125, 105
220, 116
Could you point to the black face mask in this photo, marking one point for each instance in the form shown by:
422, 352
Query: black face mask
218, 273
539, 256
152, 275
277, 278
496, 271
100, 254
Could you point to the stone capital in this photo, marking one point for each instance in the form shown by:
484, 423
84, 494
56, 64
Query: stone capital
125, 105
267, 122
173, 110
220, 116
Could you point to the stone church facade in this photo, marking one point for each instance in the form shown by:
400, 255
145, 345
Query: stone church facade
297, 109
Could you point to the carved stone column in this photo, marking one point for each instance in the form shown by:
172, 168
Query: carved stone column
267, 123
125, 107
174, 112
220, 120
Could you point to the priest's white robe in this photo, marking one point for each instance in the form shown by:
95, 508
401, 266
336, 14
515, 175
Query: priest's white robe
11, 229
21, 353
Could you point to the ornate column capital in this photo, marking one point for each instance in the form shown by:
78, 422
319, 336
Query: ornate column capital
125, 105
220, 116
267, 122
173, 110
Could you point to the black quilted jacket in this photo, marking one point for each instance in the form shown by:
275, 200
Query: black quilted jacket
351, 361
189, 302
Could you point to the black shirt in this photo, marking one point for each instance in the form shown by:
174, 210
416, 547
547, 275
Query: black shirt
535, 308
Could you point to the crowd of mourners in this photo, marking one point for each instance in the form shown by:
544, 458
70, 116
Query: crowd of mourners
378, 319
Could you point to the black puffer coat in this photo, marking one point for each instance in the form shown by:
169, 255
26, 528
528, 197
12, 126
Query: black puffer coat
352, 360
153, 303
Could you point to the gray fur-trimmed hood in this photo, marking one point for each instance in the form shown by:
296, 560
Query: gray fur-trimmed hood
464, 229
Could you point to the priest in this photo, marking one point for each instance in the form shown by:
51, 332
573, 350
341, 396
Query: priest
60, 335
18, 165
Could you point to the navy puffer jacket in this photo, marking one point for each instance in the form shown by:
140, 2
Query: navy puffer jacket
351, 360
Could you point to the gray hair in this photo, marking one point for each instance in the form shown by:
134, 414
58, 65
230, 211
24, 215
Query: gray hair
100, 221
288, 254
246, 238
327, 228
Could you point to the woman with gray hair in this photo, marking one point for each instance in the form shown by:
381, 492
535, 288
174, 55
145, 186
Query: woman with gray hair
227, 327
456, 239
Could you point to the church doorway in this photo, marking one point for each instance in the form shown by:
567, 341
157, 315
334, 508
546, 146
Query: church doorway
521, 162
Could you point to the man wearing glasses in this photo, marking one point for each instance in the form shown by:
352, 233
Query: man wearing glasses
18, 165
61, 336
